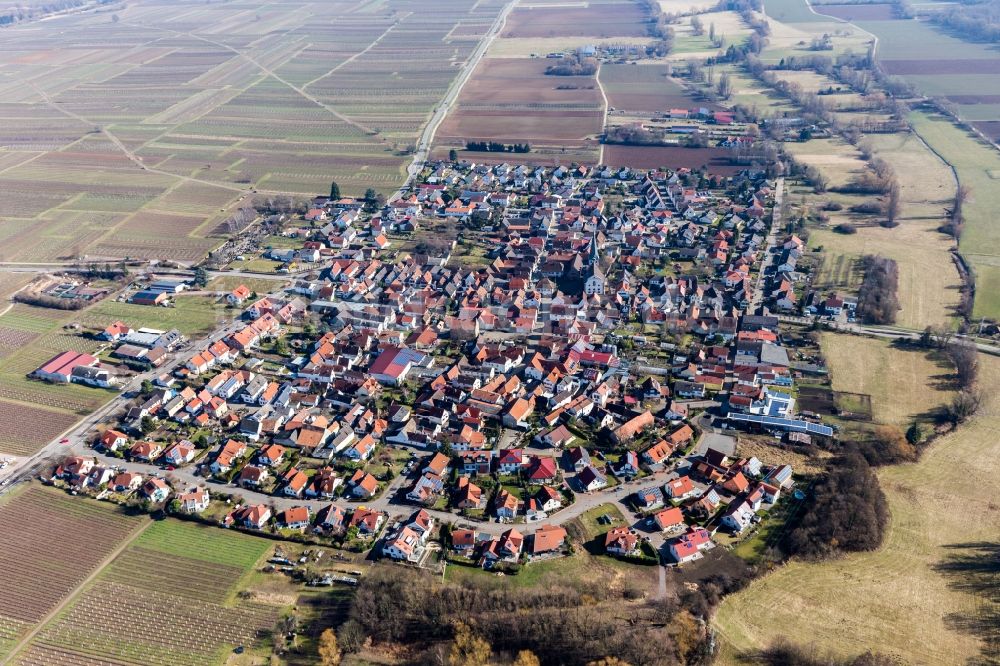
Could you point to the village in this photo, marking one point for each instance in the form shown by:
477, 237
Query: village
586, 341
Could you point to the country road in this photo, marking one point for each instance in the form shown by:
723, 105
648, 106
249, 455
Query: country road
75, 267
422, 152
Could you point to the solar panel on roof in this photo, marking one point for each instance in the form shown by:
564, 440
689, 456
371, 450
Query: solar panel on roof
786, 424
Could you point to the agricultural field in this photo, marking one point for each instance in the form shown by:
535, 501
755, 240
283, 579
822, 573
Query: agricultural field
712, 160
898, 600
39, 577
512, 100
172, 596
138, 134
859, 12
978, 167
527, 47
933, 61
612, 18
686, 6
227, 283
875, 368
642, 89
928, 279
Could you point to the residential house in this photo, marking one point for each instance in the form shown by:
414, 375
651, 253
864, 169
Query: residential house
668, 519
690, 546
547, 539
294, 518
363, 485
621, 541
195, 500
155, 490
591, 479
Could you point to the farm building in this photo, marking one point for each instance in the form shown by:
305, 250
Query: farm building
60, 367
149, 297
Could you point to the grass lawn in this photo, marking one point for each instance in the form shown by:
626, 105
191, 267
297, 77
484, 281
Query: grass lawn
203, 542
579, 568
768, 532
229, 282
792, 11
191, 315
902, 384
256, 265
593, 528
894, 600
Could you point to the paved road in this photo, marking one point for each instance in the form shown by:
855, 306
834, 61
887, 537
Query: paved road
888, 332
771, 242
75, 267
422, 151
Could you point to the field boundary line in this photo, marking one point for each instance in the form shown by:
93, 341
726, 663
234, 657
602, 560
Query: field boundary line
373, 44
102, 565
132, 157
604, 120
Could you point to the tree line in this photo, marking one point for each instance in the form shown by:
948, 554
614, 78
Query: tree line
878, 301
575, 65
496, 147
785, 653
27, 12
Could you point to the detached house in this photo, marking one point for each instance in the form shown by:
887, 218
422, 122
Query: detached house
112, 440
690, 546
195, 500
155, 490
621, 541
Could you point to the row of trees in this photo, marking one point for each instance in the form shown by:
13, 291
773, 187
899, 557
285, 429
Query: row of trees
497, 147
878, 299
784, 653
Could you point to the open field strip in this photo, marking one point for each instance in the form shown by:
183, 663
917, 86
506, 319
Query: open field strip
877, 369
929, 283
978, 168
893, 600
